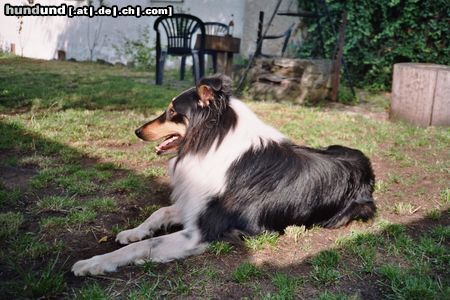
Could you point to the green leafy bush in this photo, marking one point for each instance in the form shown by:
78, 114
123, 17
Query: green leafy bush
382, 33
139, 52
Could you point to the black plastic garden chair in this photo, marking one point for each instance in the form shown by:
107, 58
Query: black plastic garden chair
179, 30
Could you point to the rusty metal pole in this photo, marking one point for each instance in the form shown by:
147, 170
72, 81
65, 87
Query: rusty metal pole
338, 59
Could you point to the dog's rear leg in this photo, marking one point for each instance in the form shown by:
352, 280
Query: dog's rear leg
163, 217
362, 209
160, 249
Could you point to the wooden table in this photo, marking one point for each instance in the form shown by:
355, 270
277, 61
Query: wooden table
224, 47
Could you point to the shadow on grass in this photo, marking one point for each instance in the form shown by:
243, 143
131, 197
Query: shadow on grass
58, 205
399, 261
395, 261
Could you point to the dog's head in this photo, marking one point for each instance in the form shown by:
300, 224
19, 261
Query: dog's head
211, 94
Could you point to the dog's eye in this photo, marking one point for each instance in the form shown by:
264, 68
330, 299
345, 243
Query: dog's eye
171, 112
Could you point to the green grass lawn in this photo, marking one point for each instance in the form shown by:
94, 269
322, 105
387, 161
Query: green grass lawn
73, 174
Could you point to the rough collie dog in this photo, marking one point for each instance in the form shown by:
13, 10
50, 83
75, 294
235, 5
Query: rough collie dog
232, 173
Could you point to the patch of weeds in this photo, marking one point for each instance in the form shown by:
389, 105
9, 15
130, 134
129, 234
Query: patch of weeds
408, 285
381, 186
9, 197
421, 191
257, 290
441, 233
105, 166
434, 252
324, 267
9, 224
394, 230
401, 243
74, 217
210, 272
148, 267
402, 208
327, 258
145, 290
91, 291
47, 283
395, 178
116, 228
363, 245
357, 238
29, 246
444, 196
331, 296
178, 286
245, 271
45, 177
433, 214
134, 222
11, 161
397, 232
265, 239
285, 285
129, 184
399, 194
295, 232
315, 228
72, 178
345, 96
53, 222
35, 160
102, 204
220, 247
325, 276
367, 257
82, 216
148, 210
155, 172
78, 183
56, 203
396, 154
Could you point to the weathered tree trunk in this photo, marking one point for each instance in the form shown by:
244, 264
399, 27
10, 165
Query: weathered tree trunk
421, 94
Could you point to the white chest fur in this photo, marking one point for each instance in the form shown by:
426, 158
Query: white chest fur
197, 178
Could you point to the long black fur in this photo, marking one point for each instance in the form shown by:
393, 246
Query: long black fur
280, 184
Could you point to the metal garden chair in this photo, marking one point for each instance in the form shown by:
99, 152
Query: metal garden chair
260, 39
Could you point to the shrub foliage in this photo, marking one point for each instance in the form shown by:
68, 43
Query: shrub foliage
382, 33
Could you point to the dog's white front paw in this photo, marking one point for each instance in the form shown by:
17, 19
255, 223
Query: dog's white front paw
92, 266
132, 235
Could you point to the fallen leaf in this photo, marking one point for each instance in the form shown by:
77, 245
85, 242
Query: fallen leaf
103, 239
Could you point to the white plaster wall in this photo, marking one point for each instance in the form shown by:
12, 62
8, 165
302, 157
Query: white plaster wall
42, 37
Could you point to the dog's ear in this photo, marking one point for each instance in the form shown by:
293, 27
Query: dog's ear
206, 94
209, 86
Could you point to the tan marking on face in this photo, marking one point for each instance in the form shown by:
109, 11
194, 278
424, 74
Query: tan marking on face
162, 126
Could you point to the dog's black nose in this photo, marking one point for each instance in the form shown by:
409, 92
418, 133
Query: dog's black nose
138, 131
